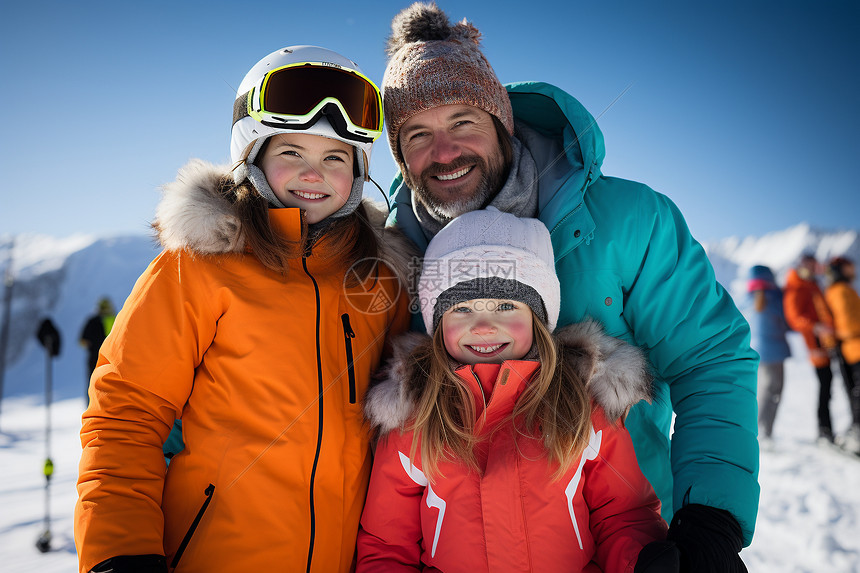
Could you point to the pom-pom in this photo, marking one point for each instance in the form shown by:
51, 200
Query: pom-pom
420, 22
466, 31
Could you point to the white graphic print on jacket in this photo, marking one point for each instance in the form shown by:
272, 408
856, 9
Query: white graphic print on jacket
433, 500
590, 453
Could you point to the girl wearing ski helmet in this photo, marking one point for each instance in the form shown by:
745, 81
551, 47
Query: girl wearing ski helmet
503, 443
258, 327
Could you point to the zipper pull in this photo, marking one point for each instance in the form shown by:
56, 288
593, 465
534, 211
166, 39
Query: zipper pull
347, 329
348, 335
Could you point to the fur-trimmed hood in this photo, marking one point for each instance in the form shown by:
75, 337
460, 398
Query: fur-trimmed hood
193, 216
618, 375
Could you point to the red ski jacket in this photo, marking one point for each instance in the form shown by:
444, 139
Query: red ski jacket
510, 516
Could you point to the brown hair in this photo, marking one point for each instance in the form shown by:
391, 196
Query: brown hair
555, 405
505, 143
355, 240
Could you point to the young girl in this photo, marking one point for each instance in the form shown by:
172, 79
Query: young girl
503, 447
258, 327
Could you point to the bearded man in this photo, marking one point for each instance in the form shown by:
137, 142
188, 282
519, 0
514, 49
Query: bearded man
624, 256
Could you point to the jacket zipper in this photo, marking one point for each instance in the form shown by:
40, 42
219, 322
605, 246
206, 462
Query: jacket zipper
588, 179
481, 388
320, 418
209, 492
348, 335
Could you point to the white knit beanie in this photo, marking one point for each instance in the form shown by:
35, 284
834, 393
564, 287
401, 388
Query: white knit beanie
489, 254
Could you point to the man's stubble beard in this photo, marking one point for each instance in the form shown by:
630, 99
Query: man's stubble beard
493, 176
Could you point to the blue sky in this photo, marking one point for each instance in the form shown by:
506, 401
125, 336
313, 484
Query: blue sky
744, 113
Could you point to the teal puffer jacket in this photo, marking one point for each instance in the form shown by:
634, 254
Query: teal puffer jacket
625, 257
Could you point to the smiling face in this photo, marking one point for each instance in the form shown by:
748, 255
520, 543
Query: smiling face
487, 330
453, 158
310, 172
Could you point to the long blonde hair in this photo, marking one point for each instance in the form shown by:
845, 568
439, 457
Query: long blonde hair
554, 406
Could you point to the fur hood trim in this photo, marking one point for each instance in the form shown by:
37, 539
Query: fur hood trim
619, 375
193, 216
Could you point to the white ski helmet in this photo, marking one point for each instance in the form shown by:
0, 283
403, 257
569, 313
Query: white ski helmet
326, 111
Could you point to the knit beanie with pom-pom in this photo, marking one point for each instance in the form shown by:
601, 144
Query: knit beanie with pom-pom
433, 63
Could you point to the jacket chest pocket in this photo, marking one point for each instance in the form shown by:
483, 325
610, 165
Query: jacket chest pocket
348, 335
597, 295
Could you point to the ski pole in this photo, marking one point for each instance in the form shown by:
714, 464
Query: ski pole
49, 337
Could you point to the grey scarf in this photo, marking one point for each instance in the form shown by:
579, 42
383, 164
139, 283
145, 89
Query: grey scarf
518, 196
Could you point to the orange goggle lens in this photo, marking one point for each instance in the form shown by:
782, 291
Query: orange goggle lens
296, 91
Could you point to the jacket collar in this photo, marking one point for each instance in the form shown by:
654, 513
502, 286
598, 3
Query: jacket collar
287, 222
511, 380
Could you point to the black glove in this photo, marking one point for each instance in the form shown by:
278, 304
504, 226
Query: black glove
701, 539
132, 564
659, 557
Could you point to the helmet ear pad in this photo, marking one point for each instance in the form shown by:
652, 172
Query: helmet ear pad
258, 179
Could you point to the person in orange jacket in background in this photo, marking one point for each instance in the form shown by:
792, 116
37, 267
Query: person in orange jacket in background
844, 302
258, 326
807, 312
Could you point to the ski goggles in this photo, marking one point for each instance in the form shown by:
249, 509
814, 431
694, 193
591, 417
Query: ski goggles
296, 95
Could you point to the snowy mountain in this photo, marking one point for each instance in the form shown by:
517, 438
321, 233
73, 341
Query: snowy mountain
733, 257
63, 279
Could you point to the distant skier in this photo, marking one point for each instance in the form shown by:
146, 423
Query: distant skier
844, 302
95, 331
763, 309
807, 312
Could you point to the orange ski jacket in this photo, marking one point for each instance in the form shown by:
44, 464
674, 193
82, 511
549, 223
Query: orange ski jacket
804, 307
844, 302
267, 373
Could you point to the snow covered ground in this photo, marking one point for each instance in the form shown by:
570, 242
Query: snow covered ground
22, 485
809, 511
809, 520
